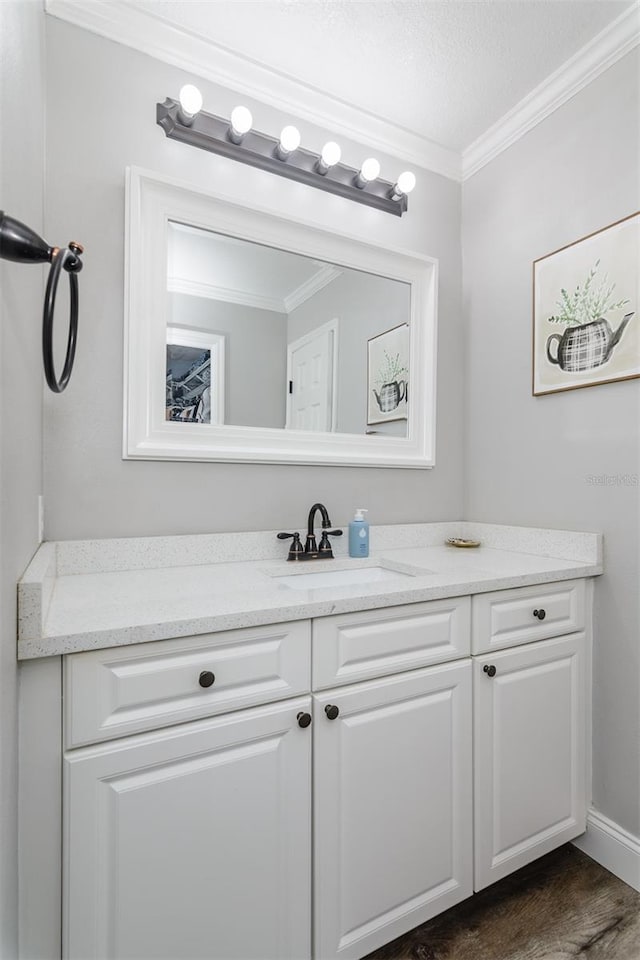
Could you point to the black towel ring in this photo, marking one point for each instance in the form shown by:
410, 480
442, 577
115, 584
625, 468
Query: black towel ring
69, 259
22, 245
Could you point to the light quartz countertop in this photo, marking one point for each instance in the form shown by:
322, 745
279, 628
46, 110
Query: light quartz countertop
85, 595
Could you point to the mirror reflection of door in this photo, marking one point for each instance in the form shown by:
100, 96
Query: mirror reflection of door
311, 379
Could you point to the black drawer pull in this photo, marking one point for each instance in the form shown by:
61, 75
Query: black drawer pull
206, 678
540, 614
331, 711
304, 719
489, 669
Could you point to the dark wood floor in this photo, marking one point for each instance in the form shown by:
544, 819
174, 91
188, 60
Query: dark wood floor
560, 907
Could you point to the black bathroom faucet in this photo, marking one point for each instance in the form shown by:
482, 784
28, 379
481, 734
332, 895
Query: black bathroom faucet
311, 549
310, 545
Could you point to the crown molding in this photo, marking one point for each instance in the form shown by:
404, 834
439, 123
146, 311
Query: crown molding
321, 279
144, 31
195, 288
609, 46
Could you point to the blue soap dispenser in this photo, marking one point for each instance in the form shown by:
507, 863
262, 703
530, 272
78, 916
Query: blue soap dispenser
359, 535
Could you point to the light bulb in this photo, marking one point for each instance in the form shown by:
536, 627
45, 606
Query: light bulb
241, 123
289, 140
190, 103
406, 182
369, 170
331, 154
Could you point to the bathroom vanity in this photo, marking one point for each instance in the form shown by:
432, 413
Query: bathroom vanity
256, 769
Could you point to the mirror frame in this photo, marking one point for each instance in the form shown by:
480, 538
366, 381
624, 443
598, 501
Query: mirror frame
152, 202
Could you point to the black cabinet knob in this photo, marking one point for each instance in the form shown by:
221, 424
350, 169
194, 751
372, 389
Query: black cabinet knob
206, 678
331, 711
489, 669
540, 614
304, 719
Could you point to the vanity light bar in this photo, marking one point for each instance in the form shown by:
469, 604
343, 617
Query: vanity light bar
212, 133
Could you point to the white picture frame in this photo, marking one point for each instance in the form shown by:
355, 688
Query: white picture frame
153, 201
210, 374
586, 310
388, 376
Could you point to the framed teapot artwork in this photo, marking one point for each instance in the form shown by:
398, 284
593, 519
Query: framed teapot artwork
586, 323
388, 375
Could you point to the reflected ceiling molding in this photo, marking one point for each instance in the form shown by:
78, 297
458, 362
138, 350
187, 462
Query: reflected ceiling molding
196, 288
298, 296
306, 290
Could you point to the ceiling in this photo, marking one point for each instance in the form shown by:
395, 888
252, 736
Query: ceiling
446, 70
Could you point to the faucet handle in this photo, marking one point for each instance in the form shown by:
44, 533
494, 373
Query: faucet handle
296, 549
325, 547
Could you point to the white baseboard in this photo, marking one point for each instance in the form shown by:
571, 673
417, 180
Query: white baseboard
612, 847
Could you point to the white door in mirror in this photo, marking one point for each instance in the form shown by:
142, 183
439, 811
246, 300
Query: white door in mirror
310, 375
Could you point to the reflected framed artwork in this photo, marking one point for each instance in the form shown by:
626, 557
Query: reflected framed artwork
586, 328
194, 381
387, 375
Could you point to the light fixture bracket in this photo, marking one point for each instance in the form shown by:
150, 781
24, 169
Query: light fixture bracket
211, 133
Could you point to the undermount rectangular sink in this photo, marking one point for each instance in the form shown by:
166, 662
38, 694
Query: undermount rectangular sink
341, 578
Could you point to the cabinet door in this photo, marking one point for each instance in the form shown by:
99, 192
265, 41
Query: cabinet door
192, 842
392, 806
529, 753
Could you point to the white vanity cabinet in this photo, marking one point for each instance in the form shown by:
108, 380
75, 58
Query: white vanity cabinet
392, 806
189, 801
529, 726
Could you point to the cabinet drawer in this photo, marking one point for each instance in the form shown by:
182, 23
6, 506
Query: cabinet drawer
507, 618
375, 643
122, 690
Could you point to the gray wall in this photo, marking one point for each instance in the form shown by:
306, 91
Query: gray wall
21, 292
255, 356
365, 306
529, 457
94, 129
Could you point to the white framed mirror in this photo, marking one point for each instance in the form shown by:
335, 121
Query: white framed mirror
251, 337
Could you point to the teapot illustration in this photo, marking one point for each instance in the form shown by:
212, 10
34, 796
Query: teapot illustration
391, 394
586, 346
